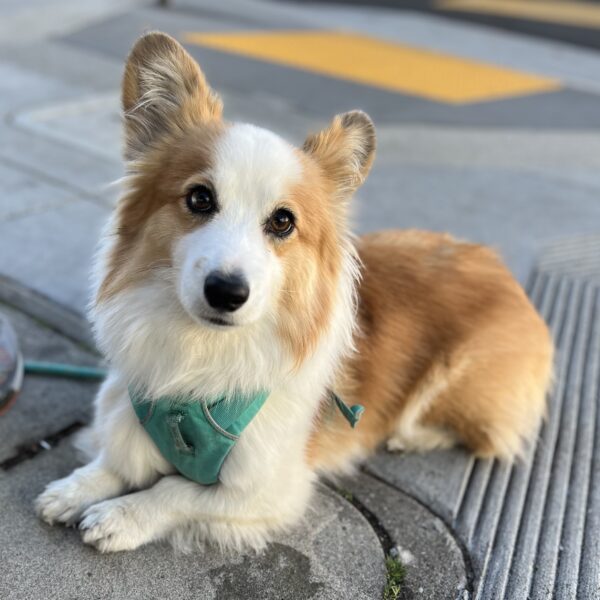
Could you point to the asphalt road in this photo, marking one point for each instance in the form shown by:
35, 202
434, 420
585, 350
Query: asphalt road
563, 20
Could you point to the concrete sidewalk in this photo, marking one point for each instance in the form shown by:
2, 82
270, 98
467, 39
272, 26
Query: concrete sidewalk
520, 172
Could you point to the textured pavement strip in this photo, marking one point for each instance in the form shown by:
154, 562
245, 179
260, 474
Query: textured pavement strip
540, 189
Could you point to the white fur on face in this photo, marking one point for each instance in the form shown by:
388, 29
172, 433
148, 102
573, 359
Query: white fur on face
253, 171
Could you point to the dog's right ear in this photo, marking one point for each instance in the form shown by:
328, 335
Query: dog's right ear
163, 90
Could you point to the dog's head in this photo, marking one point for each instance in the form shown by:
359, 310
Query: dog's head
241, 229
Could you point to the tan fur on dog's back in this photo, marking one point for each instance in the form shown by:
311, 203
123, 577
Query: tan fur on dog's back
449, 349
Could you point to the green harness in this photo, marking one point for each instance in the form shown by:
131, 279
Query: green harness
196, 437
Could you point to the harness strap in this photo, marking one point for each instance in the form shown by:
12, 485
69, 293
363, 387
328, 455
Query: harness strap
352, 414
196, 436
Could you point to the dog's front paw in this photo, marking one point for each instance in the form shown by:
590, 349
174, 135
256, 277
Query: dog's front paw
113, 525
62, 501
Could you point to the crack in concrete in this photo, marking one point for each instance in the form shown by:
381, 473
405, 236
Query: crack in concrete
469, 569
31, 450
383, 535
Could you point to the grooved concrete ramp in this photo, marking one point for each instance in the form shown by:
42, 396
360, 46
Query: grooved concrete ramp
532, 531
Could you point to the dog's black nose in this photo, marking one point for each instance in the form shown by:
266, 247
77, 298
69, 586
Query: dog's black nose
226, 292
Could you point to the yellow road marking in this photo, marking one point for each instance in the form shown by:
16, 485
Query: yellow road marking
381, 64
582, 14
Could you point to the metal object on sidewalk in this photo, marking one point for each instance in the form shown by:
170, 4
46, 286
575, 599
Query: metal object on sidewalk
11, 365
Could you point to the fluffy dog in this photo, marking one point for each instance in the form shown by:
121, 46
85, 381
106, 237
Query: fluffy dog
228, 267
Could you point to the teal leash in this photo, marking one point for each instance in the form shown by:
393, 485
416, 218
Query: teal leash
34, 367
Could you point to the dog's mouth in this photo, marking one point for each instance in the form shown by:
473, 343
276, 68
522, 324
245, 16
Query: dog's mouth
211, 320
218, 321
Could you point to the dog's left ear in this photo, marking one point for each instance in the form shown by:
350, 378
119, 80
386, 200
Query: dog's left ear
163, 91
345, 150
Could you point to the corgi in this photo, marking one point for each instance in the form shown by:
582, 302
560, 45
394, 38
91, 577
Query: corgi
229, 270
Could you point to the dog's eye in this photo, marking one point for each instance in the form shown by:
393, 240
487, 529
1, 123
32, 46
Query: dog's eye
281, 223
200, 200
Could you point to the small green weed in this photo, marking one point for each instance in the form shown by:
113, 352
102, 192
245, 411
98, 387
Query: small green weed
345, 494
396, 572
